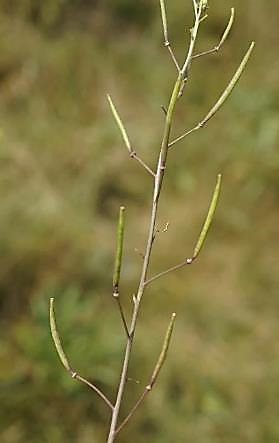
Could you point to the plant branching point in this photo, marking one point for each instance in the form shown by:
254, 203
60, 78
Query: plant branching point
158, 366
183, 71
64, 360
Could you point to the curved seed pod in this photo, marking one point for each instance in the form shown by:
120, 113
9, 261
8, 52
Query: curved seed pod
56, 337
209, 218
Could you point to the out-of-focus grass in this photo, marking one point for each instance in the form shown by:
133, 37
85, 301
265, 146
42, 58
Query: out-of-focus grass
64, 173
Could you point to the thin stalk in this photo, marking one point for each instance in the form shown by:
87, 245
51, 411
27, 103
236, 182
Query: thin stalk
202, 236
222, 40
125, 136
227, 92
199, 9
161, 166
121, 311
155, 373
64, 360
137, 299
186, 262
222, 99
166, 35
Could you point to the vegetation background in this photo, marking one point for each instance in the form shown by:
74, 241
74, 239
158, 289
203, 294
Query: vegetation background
64, 173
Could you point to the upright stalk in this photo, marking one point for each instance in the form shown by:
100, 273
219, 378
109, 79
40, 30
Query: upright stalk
200, 7
160, 172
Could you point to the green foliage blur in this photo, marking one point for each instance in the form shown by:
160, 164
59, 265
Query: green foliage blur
64, 174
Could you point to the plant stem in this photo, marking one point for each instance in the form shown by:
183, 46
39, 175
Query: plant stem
123, 377
161, 166
157, 369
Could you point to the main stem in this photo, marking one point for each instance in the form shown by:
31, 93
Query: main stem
156, 193
161, 166
130, 339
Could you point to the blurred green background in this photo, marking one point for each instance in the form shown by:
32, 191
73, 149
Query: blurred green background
64, 173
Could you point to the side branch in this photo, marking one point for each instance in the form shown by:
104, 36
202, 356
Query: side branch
223, 97
154, 376
223, 38
64, 359
125, 137
117, 265
165, 32
186, 262
202, 236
